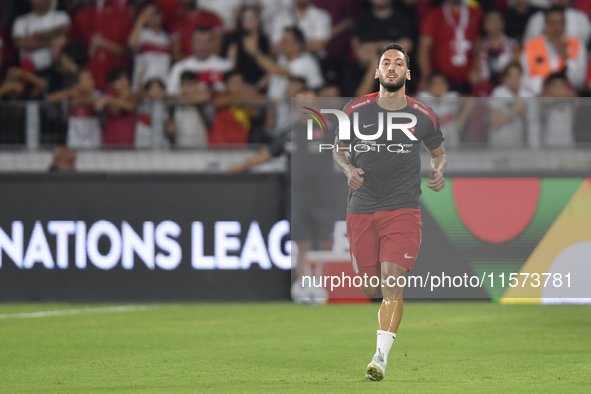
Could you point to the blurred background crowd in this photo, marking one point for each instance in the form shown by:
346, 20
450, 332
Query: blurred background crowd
215, 73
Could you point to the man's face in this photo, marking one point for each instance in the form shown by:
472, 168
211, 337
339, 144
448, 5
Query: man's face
562, 3
289, 43
513, 78
202, 44
41, 6
555, 24
86, 82
188, 87
392, 71
121, 84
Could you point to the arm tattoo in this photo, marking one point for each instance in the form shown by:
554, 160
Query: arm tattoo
340, 155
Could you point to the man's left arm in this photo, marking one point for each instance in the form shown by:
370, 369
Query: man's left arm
438, 166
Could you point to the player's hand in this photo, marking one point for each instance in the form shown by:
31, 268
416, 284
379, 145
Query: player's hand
437, 181
355, 178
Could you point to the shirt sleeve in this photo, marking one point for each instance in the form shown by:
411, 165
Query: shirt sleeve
535, 26
277, 146
429, 24
434, 139
576, 69
19, 29
173, 87
324, 27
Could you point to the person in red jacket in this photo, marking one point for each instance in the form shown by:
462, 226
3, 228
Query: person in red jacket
105, 29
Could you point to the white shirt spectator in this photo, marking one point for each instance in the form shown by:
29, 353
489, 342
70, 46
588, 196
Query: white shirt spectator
31, 24
214, 65
557, 124
306, 67
512, 133
270, 8
316, 24
153, 53
576, 69
447, 108
225, 9
577, 25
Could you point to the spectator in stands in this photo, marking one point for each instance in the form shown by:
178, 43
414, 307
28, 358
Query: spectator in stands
67, 61
64, 160
553, 52
84, 128
187, 128
34, 32
382, 24
226, 10
153, 90
343, 14
269, 10
151, 45
313, 22
21, 85
105, 29
558, 114
249, 35
210, 67
181, 34
509, 109
452, 110
279, 112
446, 41
232, 122
293, 61
494, 52
577, 22
359, 77
120, 106
517, 16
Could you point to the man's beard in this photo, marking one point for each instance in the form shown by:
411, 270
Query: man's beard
394, 86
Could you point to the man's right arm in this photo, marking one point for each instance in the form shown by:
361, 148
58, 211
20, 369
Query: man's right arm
343, 161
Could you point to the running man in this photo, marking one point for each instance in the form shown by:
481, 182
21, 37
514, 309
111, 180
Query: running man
383, 215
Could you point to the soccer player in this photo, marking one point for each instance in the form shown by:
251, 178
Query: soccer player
383, 215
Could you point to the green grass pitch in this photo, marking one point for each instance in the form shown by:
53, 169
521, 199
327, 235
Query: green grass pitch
443, 347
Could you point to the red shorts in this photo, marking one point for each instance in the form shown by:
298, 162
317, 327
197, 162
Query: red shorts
392, 236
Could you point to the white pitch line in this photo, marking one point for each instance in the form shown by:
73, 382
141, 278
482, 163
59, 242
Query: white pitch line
64, 312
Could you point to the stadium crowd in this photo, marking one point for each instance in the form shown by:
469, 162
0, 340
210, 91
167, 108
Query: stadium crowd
226, 69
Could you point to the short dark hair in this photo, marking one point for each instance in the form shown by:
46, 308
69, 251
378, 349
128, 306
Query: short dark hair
78, 52
115, 73
554, 8
79, 73
189, 76
297, 34
154, 80
437, 74
397, 47
558, 76
510, 65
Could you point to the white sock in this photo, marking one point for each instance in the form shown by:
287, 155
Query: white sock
385, 341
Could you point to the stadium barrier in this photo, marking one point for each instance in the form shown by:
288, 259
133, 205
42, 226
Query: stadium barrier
97, 237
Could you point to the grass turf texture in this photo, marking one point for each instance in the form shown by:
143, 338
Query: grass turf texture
445, 347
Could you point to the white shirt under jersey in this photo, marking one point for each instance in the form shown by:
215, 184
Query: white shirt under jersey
306, 66
316, 24
212, 63
577, 25
30, 24
152, 52
576, 69
512, 133
447, 108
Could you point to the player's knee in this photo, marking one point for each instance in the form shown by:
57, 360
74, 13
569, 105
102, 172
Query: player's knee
392, 290
371, 292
